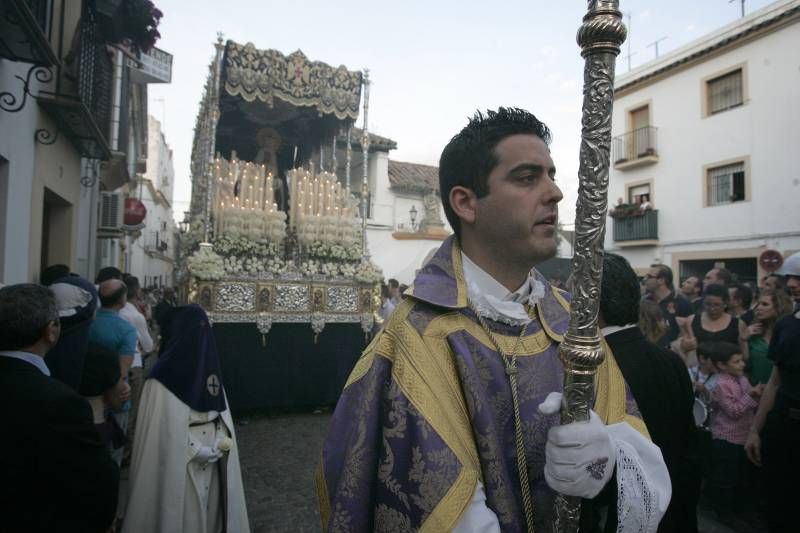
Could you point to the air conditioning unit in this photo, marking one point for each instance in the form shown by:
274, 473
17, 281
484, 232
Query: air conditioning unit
112, 211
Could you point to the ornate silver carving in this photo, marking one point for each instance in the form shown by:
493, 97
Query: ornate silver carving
264, 323
317, 324
292, 298
285, 318
235, 297
600, 38
342, 299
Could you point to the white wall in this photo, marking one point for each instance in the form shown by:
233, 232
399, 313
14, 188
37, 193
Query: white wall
31, 168
763, 129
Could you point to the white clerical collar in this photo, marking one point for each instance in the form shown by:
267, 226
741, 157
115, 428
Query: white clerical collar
492, 300
608, 330
28, 357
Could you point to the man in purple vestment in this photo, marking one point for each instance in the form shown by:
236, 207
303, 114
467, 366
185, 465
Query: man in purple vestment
427, 431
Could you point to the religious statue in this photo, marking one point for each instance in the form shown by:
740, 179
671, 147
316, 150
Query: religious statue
432, 219
269, 141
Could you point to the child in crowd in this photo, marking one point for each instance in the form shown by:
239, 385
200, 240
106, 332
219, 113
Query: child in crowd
704, 374
735, 402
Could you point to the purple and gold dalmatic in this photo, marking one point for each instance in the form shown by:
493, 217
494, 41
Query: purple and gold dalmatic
427, 412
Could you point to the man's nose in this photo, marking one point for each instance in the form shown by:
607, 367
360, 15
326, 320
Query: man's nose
554, 194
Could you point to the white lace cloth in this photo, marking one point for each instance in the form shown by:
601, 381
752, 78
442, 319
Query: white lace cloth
643, 488
643, 485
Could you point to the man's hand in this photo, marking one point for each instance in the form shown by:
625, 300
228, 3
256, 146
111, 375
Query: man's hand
753, 448
757, 391
580, 456
117, 395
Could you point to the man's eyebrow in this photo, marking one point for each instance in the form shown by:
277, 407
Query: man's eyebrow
532, 167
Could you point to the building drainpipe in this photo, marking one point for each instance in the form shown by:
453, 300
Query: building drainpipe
116, 111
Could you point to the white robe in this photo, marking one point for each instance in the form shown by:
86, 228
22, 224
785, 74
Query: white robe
168, 493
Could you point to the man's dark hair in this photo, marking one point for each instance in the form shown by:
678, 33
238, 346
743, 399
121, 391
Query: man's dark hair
52, 274
717, 290
107, 273
744, 294
114, 298
619, 291
25, 311
385, 291
717, 351
725, 275
469, 157
665, 273
132, 282
780, 282
393, 283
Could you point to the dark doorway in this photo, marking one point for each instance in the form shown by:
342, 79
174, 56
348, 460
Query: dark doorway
744, 268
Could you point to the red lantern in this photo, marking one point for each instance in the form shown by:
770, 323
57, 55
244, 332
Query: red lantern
135, 211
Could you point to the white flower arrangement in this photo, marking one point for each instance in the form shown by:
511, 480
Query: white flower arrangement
205, 264
336, 251
368, 272
253, 224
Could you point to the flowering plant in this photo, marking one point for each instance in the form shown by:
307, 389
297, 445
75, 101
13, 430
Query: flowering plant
229, 246
368, 272
205, 264
322, 250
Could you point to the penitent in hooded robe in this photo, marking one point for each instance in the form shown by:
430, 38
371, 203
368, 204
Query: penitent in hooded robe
183, 409
422, 438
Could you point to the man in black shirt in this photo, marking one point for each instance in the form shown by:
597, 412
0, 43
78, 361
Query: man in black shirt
690, 289
663, 392
741, 297
658, 283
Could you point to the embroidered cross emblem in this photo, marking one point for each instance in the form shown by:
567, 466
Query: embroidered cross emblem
212, 384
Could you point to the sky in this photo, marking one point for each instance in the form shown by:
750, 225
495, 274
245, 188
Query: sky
432, 63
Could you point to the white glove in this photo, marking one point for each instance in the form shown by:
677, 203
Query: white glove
580, 456
207, 454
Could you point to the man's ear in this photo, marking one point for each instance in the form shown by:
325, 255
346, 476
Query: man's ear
51, 332
463, 201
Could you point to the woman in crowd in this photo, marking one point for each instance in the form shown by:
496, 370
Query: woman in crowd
651, 321
713, 324
185, 473
772, 306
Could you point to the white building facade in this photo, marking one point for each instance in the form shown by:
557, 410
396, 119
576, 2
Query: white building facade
152, 254
707, 135
72, 132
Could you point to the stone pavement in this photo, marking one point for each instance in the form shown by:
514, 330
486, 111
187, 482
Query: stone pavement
279, 455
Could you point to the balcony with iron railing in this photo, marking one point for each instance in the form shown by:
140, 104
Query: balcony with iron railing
636, 229
635, 148
80, 106
25, 31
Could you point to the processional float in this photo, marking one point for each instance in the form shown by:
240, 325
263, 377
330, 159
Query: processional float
277, 235
600, 37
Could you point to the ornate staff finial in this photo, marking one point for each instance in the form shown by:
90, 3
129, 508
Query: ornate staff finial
600, 37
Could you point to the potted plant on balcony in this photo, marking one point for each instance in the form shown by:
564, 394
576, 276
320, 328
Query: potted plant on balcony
130, 22
623, 210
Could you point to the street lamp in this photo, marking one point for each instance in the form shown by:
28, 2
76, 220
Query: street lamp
413, 214
183, 226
